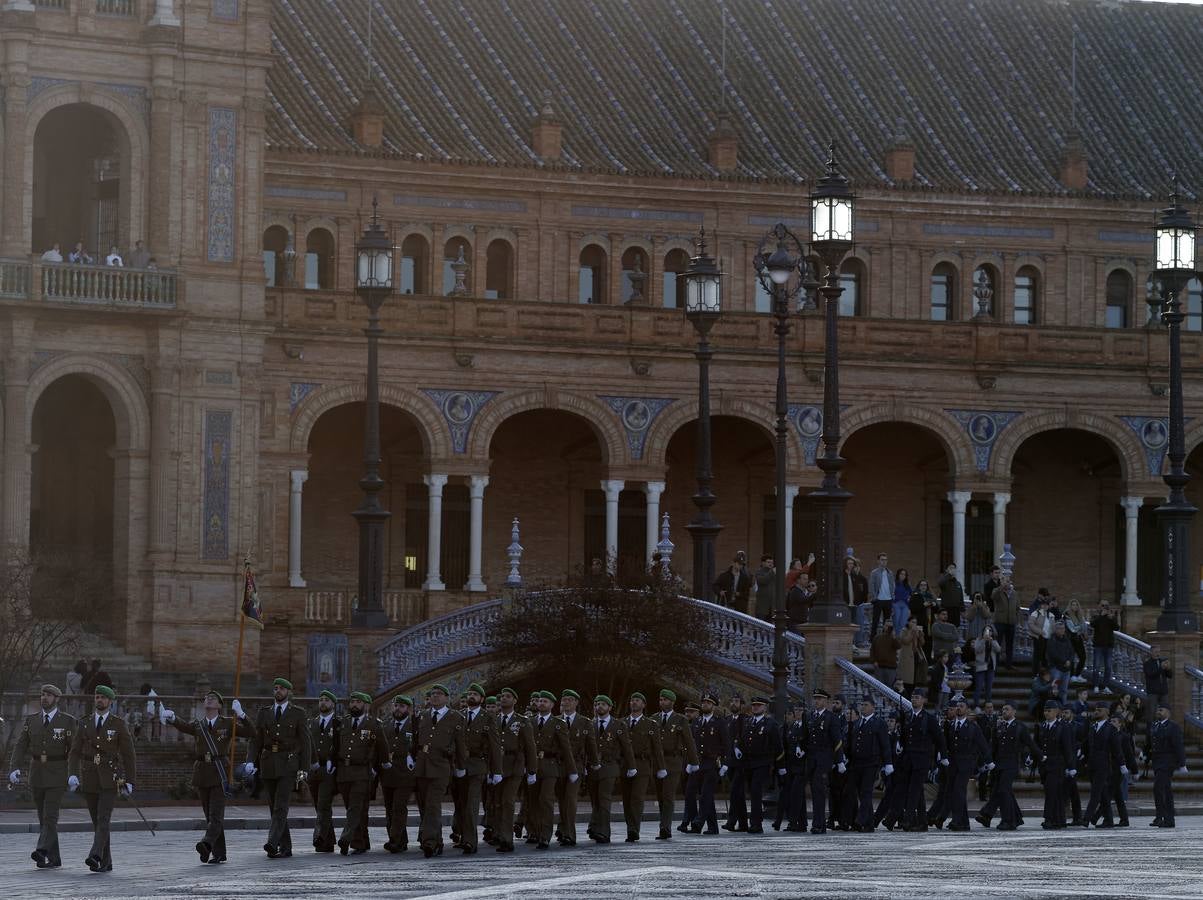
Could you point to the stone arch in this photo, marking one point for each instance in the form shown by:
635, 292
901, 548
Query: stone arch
641, 243
130, 125
313, 222
1192, 438
944, 256
465, 233
603, 421
950, 434
126, 398
1121, 439
668, 245
436, 440
412, 228
500, 233
593, 237
758, 413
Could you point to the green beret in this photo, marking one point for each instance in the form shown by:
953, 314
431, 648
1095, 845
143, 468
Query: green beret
602, 698
105, 691
638, 695
547, 695
329, 694
220, 698
665, 692
513, 693
439, 687
569, 692
404, 698
476, 687
534, 695
282, 682
490, 699
360, 695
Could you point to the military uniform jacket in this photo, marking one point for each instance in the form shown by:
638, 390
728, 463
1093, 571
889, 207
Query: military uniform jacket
825, 735
1057, 744
614, 750
441, 746
760, 742
583, 735
204, 767
399, 736
676, 740
518, 753
922, 737
483, 743
553, 747
1009, 743
101, 758
48, 748
645, 745
795, 740
967, 745
359, 748
710, 739
323, 741
869, 742
1166, 749
735, 725
281, 749
1102, 748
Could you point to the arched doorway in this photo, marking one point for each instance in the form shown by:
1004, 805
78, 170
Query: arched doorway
80, 181
413, 277
591, 275
675, 263
319, 260
499, 270
275, 243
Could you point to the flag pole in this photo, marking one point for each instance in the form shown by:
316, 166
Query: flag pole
238, 668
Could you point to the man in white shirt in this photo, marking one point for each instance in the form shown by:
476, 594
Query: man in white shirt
114, 258
53, 255
881, 592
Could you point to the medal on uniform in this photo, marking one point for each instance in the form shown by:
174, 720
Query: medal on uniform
42, 758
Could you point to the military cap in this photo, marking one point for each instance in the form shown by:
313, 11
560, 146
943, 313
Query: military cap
819, 692
513, 693
710, 698
51, 689
689, 704
404, 698
602, 698
329, 694
283, 682
439, 687
667, 694
218, 697
762, 700
490, 699
1100, 704
569, 692
476, 687
105, 691
360, 695
1051, 704
638, 695
919, 692
534, 695
1164, 704
547, 695
870, 699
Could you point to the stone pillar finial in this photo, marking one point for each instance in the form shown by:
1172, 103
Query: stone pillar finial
514, 552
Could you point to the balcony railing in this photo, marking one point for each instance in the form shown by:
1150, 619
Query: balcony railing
404, 608
106, 286
858, 683
14, 279
126, 8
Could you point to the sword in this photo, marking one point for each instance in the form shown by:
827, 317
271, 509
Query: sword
137, 809
221, 770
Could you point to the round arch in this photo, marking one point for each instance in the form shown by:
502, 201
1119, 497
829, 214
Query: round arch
592, 237
125, 396
760, 414
668, 245
603, 421
129, 124
464, 233
956, 443
412, 228
1122, 440
1192, 438
436, 442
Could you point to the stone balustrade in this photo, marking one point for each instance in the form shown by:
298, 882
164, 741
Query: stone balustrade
1194, 711
858, 683
14, 279
334, 607
109, 285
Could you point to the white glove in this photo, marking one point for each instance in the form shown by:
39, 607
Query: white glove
799, 752
1123, 770
313, 767
990, 767
494, 779
841, 768
409, 763
572, 777
722, 771
942, 760
631, 773
460, 773
690, 768
14, 777
166, 716
129, 789
530, 779
329, 767
237, 707
73, 783
781, 772
662, 773
595, 767
887, 769
1180, 771
386, 765
1071, 772
250, 769
739, 754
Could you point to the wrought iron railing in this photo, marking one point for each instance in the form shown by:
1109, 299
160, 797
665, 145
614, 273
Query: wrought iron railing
109, 285
857, 683
1194, 710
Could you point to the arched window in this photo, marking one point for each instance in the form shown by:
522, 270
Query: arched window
1119, 299
319, 260
1194, 306
499, 270
414, 274
634, 276
943, 292
275, 242
453, 250
852, 280
591, 281
985, 291
1027, 294
675, 264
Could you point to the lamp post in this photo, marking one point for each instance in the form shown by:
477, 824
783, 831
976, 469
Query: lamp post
781, 273
703, 306
832, 206
1174, 267
374, 281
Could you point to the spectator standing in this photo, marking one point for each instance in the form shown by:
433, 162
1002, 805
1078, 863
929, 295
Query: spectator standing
54, 254
945, 635
799, 572
79, 256
139, 257
912, 662
1157, 672
952, 595
986, 652
766, 587
881, 592
1005, 603
883, 651
91, 679
114, 258
1042, 691
978, 616
902, 600
75, 687
734, 585
1103, 627
1039, 629
992, 585
937, 678
1075, 626
1060, 654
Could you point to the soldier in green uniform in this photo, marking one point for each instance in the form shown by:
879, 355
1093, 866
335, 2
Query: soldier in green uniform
680, 758
584, 752
616, 759
46, 738
487, 789
532, 710
280, 752
213, 746
484, 763
361, 750
442, 752
553, 749
519, 760
398, 780
649, 760
102, 763
323, 738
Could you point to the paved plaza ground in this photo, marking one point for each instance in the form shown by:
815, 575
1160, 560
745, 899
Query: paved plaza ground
1137, 862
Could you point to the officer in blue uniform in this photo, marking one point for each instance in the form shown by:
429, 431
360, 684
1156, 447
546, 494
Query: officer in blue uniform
968, 754
922, 741
1058, 759
759, 748
791, 799
1102, 755
1168, 755
1008, 744
823, 746
870, 753
710, 737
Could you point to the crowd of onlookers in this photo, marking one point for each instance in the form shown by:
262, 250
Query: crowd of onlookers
138, 258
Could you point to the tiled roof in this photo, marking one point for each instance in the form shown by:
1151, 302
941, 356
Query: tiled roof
981, 87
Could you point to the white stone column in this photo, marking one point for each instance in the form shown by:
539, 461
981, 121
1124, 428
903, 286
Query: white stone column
1000, 523
296, 484
434, 535
476, 498
959, 500
1131, 507
791, 494
612, 488
653, 490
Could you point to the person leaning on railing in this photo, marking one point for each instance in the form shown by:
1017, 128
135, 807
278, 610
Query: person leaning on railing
1103, 627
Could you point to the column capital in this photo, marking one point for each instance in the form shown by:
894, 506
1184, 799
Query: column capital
959, 500
791, 493
435, 482
1131, 505
651, 488
1001, 499
613, 487
297, 477
477, 485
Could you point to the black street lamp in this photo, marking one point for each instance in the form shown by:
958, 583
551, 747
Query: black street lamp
1174, 267
374, 282
832, 207
703, 306
782, 274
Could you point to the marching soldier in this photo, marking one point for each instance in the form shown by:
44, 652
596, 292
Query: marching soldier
519, 761
532, 710
922, 741
323, 737
839, 780
360, 751
1127, 761
47, 738
441, 754
680, 758
737, 806
554, 755
710, 739
870, 753
484, 763
583, 738
791, 799
615, 758
1102, 751
280, 753
214, 738
1168, 755
759, 748
493, 708
968, 753
823, 746
1010, 741
398, 779
102, 764
1058, 760
649, 758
